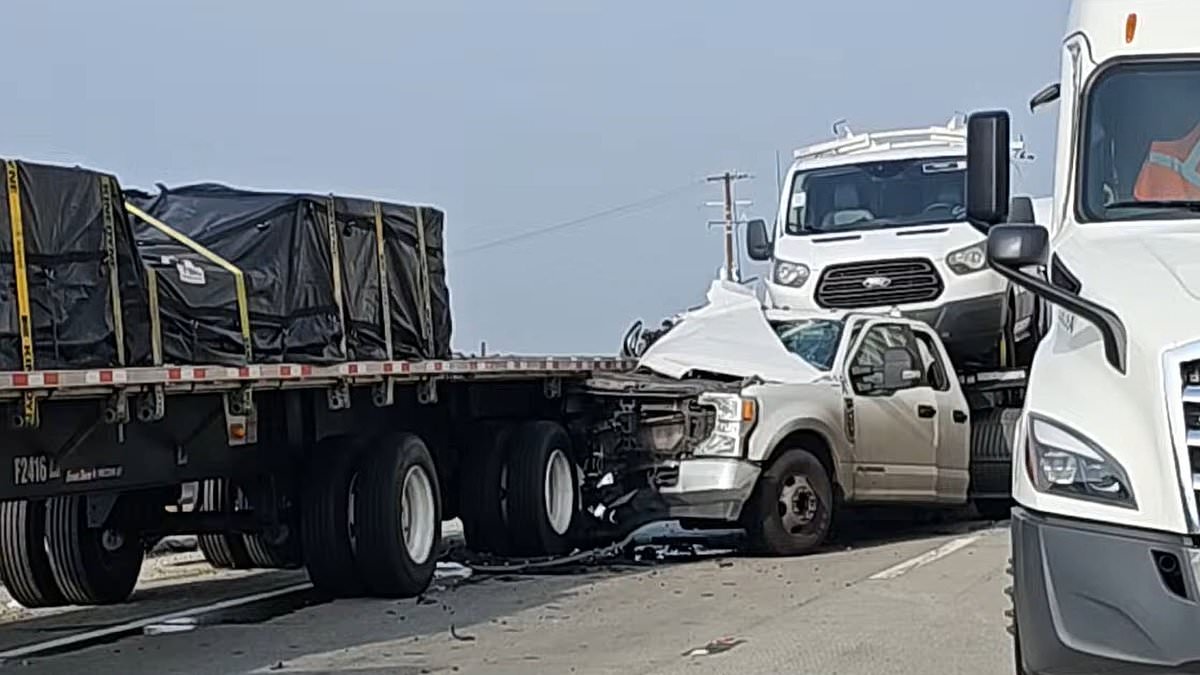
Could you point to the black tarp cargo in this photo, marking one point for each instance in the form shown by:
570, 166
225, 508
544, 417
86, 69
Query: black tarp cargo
281, 243
76, 241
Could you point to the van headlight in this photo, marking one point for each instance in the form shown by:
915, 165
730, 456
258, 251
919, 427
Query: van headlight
970, 259
790, 273
734, 417
1062, 461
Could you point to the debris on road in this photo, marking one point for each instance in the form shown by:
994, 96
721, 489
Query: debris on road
718, 646
170, 626
461, 638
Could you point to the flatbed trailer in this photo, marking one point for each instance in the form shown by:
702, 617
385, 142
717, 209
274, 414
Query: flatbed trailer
347, 469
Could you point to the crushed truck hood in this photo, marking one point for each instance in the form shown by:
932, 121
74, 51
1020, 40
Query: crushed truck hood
728, 336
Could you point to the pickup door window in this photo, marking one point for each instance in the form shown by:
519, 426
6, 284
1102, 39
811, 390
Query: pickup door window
895, 416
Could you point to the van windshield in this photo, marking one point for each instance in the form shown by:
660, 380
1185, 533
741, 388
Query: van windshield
876, 195
1140, 147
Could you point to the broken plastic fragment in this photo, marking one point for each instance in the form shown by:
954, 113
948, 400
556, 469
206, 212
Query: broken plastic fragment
715, 647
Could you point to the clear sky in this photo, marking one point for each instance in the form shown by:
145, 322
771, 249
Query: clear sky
513, 116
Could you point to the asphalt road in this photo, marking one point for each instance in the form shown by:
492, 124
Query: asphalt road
896, 600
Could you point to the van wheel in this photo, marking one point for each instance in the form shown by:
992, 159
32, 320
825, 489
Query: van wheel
24, 566
791, 510
93, 566
543, 495
483, 498
223, 550
397, 517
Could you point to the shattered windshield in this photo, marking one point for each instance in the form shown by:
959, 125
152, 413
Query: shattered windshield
1141, 143
878, 195
814, 340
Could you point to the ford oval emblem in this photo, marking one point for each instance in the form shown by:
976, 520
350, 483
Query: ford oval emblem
876, 282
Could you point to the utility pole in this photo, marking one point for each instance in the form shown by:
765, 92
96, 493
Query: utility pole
729, 204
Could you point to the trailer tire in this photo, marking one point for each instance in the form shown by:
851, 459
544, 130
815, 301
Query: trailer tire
791, 510
397, 512
483, 498
223, 550
543, 490
284, 554
90, 568
24, 565
325, 527
992, 435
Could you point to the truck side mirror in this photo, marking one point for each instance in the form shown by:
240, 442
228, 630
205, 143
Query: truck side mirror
758, 242
988, 149
1017, 245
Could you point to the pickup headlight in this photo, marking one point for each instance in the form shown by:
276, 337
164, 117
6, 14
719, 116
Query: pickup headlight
734, 417
790, 273
1063, 462
970, 259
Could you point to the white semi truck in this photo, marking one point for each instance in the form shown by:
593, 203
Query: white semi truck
1106, 533
876, 220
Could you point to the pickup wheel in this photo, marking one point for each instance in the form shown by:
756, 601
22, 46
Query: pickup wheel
222, 550
327, 511
397, 516
24, 566
791, 510
483, 498
92, 566
543, 490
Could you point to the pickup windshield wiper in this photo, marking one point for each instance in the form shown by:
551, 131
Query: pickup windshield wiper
1158, 204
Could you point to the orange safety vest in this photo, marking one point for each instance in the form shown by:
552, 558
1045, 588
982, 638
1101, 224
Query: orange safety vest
1171, 170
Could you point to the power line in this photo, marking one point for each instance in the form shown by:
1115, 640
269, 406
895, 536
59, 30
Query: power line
574, 222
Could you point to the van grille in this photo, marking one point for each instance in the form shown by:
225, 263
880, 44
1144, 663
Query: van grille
878, 283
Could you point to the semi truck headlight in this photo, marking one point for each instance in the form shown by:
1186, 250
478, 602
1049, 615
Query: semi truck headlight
1064, 462
734, 417
970, 259
790, 273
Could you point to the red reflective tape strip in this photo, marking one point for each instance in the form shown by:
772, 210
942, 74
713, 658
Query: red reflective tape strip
51, 379
305, 371
406, 367
352, 369
106, 376
199, 373
174, 374
243, 372
389, 367
20, 380
285, 371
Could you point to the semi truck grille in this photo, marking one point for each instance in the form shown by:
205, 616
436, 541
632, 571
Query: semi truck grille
878, 283
1189, 372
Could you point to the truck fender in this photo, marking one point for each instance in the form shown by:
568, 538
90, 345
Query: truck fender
782, 437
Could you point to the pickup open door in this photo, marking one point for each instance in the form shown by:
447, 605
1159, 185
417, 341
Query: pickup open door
894, 414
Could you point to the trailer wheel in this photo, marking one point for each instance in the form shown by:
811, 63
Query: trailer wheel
483, 497
223, 550
279, 550
24, 566
992, 436
397, 517
791, 510
93, 566
543, 490
327, 509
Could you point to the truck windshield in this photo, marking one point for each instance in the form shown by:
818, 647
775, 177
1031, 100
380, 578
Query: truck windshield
877, 195
814, 340
1140, 147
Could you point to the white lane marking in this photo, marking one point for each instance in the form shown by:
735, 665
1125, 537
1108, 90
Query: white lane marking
139, 624
924, 559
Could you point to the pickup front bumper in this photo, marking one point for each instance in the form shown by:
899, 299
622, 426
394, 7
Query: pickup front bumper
710, 488
1094, 598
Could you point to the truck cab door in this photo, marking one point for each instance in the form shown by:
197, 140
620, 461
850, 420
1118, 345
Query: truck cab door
953, 428
895, 416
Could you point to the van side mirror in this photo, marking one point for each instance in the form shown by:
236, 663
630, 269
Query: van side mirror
758, 242
988, 149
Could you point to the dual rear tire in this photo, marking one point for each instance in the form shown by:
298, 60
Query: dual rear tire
522, 496
371, 517
50, 556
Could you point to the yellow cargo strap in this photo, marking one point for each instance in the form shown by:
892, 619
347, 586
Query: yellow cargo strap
239, 279
335, 259
110, 255
385, 294
423, 285
29, 408
155, 320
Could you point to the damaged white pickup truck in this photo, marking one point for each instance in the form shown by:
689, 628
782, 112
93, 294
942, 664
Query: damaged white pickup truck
772, 420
